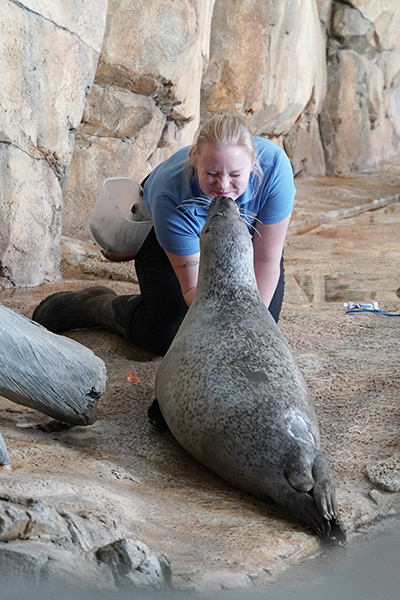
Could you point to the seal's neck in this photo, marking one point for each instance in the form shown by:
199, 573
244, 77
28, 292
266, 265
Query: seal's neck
227, 266
226, 255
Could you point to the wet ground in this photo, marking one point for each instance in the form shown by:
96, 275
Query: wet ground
215, 536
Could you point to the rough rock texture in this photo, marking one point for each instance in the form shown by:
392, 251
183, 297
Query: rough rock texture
146, 101
121, 478
246, 73
41, 543
48, 59
359, 126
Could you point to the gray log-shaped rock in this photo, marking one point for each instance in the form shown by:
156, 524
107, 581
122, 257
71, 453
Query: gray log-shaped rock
48, 372
4, 458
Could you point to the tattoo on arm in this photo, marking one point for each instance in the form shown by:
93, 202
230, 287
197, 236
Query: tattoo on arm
190, 263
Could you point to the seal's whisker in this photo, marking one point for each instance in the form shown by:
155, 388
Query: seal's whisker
197, 200
246, 219
245, 216
201, 202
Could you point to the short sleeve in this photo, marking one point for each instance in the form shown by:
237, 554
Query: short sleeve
277, 191
177, 230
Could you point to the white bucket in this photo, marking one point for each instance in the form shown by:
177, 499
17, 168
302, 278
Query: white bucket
120, 223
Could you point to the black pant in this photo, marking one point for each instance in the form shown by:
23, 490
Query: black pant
154, 317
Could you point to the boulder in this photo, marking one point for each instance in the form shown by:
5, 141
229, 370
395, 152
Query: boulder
134, 566
30, 210
246, 73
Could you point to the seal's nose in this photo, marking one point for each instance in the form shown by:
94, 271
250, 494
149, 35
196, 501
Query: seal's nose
224, 206
223, 200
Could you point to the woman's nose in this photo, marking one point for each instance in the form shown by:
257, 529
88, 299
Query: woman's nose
223, 182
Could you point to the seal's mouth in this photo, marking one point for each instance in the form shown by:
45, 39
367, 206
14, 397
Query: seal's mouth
222, 211
222, 206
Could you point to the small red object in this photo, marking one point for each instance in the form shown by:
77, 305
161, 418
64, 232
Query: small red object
132, 377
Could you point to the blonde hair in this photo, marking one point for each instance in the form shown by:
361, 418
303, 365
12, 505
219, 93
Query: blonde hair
227, 130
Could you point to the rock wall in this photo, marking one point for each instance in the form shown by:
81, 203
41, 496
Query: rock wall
48, 57
145, 102
359, 121
100, 89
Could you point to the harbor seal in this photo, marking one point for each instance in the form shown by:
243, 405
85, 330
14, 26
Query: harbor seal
231, 391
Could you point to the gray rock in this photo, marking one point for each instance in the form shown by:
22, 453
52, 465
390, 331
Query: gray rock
42, 105
133, 565
37, 562
24, 518
41, 544
385, 474
353, 30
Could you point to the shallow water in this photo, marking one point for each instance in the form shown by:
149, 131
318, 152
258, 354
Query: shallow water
349, 260
367, 569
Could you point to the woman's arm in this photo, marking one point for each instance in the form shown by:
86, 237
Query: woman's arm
186, 269
268, 248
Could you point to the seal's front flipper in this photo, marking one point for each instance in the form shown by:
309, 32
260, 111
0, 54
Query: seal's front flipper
155, 415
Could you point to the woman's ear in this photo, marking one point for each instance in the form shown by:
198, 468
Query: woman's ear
193, 157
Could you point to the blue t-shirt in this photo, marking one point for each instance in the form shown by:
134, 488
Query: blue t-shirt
174, 201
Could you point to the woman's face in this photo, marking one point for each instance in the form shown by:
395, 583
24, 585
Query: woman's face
222, 171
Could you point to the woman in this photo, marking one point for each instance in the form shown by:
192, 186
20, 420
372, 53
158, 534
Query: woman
225, 160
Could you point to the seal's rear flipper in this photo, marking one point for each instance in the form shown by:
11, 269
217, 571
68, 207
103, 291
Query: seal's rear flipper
304, 506
336, 531
324, 495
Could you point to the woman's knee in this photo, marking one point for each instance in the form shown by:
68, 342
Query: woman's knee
154, 332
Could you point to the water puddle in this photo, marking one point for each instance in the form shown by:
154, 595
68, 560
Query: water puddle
364, 569
319, 288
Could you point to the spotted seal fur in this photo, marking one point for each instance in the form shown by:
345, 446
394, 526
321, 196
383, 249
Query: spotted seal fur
231, 391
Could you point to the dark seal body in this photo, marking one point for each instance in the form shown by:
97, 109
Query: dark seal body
231, 391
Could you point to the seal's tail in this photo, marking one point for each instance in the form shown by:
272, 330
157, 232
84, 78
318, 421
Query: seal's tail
304, 506
324, 496
315, 504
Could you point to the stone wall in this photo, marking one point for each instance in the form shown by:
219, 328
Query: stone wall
94, 89
48, 57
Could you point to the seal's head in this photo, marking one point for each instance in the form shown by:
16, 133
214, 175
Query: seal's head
226, 248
